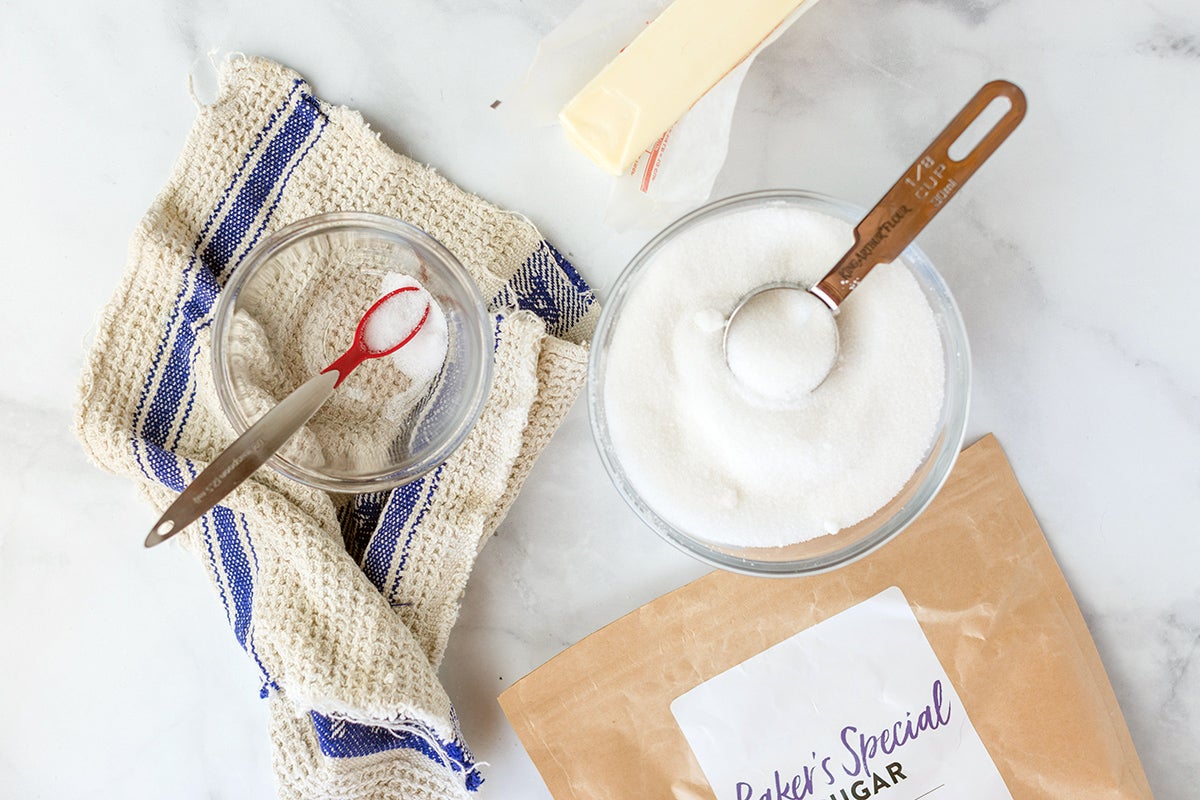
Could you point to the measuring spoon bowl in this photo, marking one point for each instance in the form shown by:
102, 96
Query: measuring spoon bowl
781, 342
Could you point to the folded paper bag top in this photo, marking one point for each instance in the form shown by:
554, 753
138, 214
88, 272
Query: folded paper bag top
1006, 643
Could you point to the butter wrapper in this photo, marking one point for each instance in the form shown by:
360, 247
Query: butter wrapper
678, 171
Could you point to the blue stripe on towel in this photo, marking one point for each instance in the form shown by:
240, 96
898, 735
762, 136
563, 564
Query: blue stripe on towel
315, 104
434, 480
261, 185
171, 376
177, 372
237, 570
248, 644
377, 561
359, 518
185, 285
342, 739
550, 287
572, 274
383, 559
212, 564
167, 465
177, 375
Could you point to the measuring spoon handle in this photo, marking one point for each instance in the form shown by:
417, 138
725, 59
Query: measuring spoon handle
247, 453
921, 193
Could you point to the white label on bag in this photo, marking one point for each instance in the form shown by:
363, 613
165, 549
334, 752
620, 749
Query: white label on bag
854, 708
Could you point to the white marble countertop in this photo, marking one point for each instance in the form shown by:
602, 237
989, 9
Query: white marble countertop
119, 675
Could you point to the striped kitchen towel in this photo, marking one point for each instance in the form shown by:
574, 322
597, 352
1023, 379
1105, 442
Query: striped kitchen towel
344, 604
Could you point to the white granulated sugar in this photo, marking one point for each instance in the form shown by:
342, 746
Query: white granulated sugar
422, 358
394, 319
781, 344
721, 462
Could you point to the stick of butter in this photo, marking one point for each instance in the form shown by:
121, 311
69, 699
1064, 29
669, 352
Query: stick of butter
683, 53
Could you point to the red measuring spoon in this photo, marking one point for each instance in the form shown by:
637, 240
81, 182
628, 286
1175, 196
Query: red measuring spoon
248, 452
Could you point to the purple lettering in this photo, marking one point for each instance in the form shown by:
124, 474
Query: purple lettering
891, 738
749, 791
847, 731
937, 704
902, 731
867, 747
802, 784
783, 791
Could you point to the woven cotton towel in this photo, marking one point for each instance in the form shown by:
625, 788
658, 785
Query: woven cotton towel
344, 604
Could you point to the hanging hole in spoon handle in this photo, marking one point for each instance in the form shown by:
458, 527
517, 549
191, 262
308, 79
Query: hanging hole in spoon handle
921, 193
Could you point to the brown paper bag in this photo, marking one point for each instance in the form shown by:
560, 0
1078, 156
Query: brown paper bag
989, 597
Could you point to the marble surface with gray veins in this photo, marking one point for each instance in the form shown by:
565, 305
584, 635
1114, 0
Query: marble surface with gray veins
1070, 255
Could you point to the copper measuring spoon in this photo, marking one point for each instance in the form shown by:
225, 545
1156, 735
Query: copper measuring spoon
903, 212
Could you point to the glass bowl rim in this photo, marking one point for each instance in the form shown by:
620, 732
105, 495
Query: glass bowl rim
951, 427
379, 223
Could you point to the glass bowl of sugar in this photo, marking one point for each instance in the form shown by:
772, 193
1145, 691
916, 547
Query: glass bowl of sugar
291, 307
766, 485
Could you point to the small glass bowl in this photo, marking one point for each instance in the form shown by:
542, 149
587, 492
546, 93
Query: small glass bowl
823, 553
291, 308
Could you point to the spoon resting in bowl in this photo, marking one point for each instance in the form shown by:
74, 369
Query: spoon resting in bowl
389, 324
798, 321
